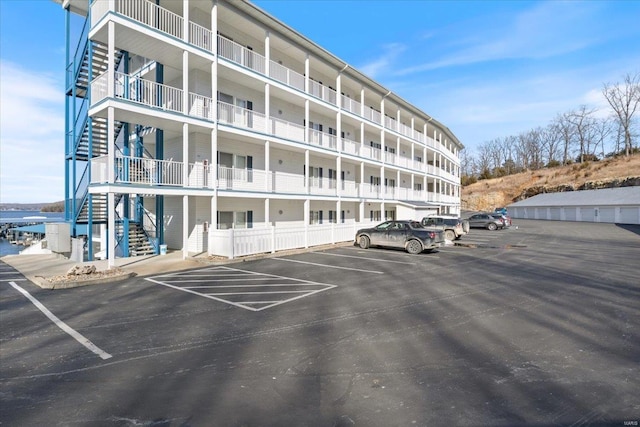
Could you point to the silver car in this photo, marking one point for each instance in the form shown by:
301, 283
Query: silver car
409, 235
483, 220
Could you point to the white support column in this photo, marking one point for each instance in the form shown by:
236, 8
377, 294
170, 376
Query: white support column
307, 205
362, 181
306, 121
213, 224
213, 163
111, 229
111, 148
361, 211
306, 172
425, 188
306, 73
267, 166
185, 20
185, 226
185, 82
382, 186
267, 108
214, 90
339, 177
362, 104
397, 188
214, 31
111, 61
267, 207
267, 51
185, 154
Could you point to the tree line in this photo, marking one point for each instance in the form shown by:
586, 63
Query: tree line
578, 135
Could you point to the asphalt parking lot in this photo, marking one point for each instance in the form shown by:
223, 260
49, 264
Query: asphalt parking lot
535, 325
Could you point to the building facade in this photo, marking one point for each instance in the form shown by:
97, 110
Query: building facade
211, 127
611, 205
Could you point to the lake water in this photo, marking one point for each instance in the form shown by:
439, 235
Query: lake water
10, 217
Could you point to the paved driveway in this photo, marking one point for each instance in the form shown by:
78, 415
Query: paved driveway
538, 325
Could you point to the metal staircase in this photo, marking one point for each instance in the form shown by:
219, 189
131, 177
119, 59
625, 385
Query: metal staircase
88, 139
99, 65
139, 243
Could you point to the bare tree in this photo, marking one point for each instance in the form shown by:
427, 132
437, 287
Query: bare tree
551, 139
624, 99
582, 120
566, 130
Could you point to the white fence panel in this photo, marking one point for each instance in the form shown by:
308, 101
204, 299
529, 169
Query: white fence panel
289, 238
251, 241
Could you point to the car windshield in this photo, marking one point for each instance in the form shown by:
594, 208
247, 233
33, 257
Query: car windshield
415, 224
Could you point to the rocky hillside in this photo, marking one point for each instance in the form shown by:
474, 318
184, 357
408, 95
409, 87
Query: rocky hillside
491, 193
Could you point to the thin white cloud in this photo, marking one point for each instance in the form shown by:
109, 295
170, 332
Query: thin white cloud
549, 29
31, 136
385, 61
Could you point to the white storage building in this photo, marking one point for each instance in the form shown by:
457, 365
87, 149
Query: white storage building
611, 205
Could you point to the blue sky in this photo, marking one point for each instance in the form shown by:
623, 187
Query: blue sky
485, 69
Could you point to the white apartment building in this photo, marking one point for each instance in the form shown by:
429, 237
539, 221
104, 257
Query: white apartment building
209, 126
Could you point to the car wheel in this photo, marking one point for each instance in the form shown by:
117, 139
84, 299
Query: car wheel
449, 235
491, 226
363, 242
414, 247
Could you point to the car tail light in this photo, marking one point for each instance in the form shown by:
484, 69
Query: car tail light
432, 235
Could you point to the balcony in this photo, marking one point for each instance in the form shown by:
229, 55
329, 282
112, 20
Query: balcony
167, 98
148, 172
149, 14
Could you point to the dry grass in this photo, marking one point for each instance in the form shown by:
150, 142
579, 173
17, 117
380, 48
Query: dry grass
488, 194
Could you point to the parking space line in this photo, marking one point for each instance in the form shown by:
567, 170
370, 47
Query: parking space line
329, 266
11, 280
59, 323
216, 287
361, 257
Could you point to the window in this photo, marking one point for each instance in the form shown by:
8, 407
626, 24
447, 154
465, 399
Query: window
374, 180
315, 217
230, 219
315, 177
389, 215
235, 167
389, 182
374, 215
333, 217
417, 186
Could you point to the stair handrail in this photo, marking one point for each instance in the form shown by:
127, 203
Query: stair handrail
82, 113
82, 187
84, 42
148, 231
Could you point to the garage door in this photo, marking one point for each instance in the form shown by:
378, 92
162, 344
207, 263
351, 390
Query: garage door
630, 215
588, 214
554, 214
570, 214
608, 215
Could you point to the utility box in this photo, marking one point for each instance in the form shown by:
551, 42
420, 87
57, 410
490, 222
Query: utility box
58, 235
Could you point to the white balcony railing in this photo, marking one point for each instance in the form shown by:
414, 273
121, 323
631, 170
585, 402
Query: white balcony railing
169, 98
143, 171
320, 91
322, 139
201, 37
149, 93
149, 14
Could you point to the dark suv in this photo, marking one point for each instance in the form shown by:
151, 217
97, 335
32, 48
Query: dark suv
453, 227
